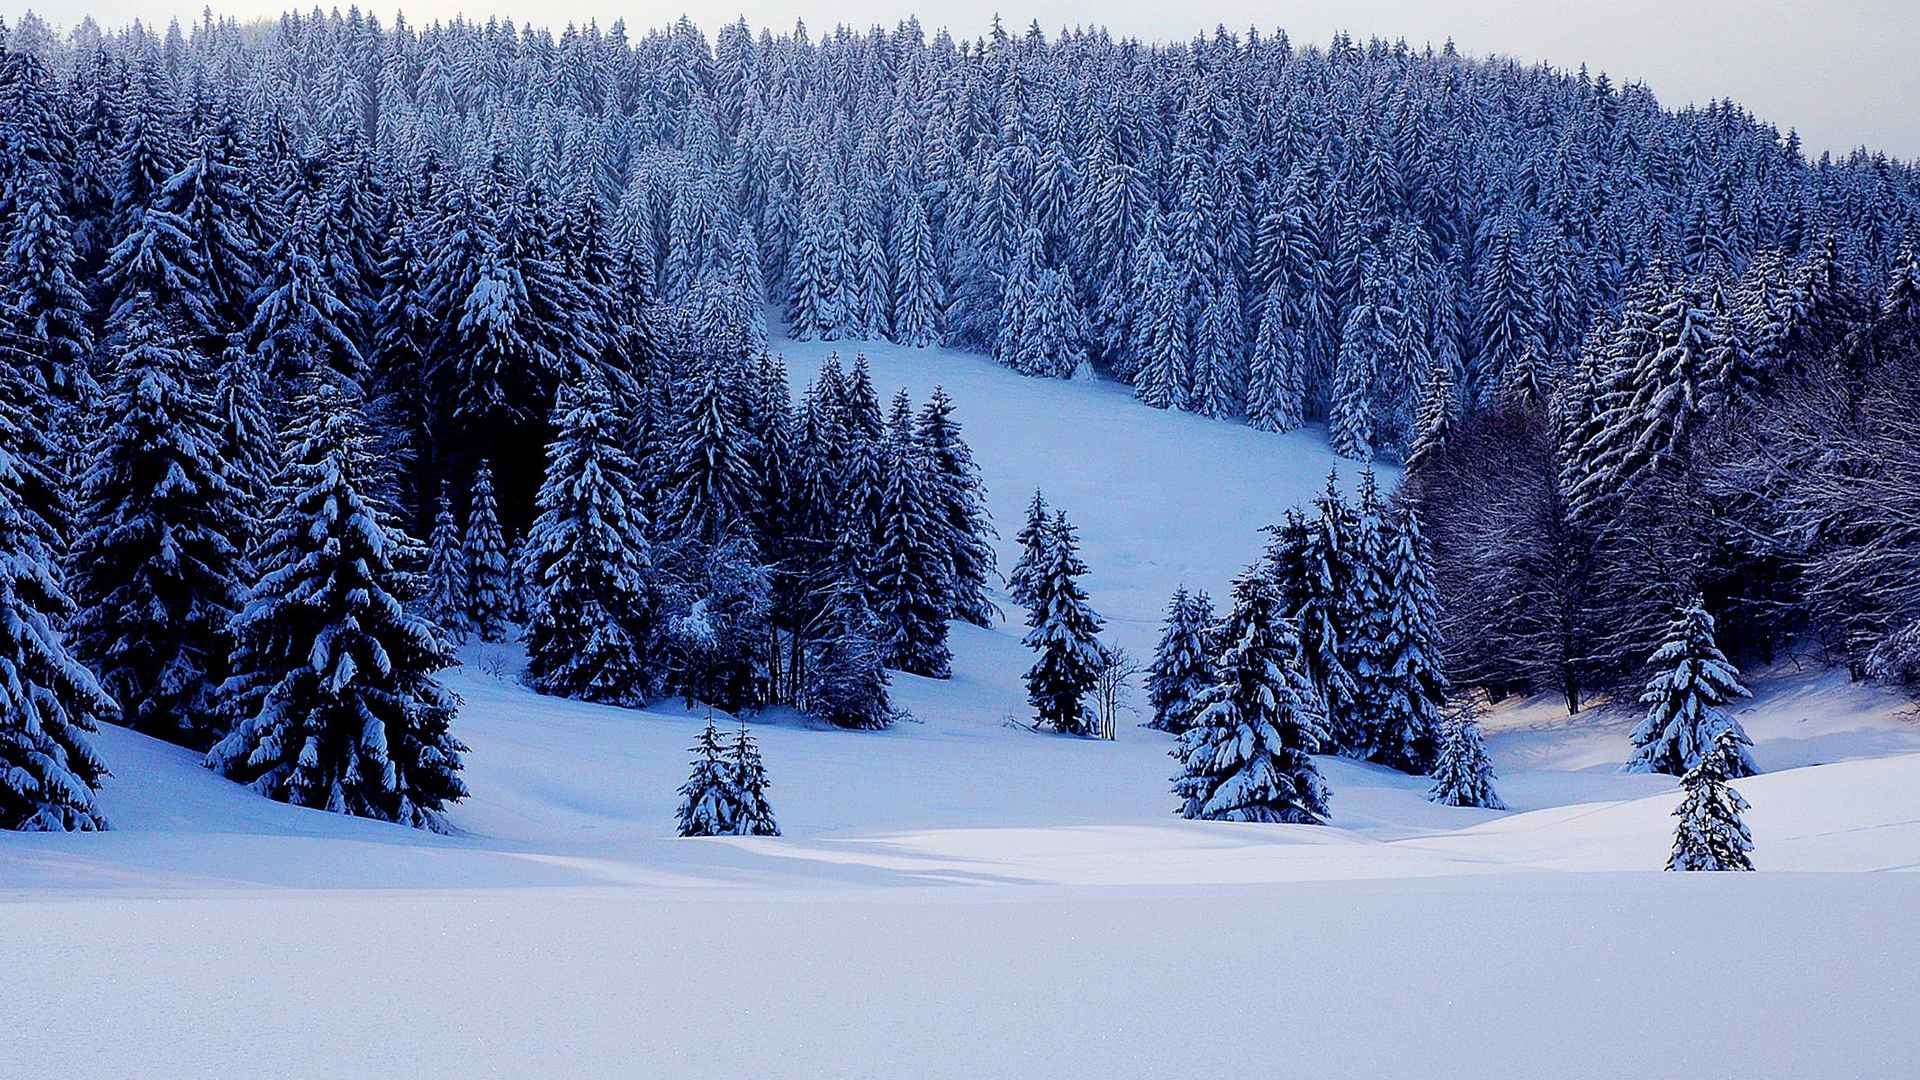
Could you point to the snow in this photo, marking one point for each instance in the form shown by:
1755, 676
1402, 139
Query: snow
961, 896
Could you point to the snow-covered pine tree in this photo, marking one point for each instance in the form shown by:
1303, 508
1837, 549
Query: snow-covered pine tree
919, 298
1245, 757
911, 568
1711, 834
1351, 426
1413, 685
591, 628
708, 804
1364, 638
484, 550
845, 682
1463, 773
1182, 663
159, 555
1159, 348
333, 696
49, 701
1276, 389
247, 444
960, 497
1326, 611
1686, 697
41, 296
709, 475
1065, 631
446, 600
753, 815
1434, 423
1022, 582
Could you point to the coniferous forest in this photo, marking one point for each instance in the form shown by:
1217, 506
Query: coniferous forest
335, 342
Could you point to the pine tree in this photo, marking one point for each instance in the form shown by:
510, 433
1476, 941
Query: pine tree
447, 596
41, 297
1686, 698
1276, 390
960, 500
333, 696
709, 477
1326, 610
1711, 834
484, 550
753, 815
1182, 663
1245, 758
911, 565
707, 801
159, 557
1413, 687
1023, 581
919, 299
1463, 774
846, 681
49, 701
591, 627
1065, 631
1161, 367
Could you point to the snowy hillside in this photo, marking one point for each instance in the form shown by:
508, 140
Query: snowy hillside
963, 897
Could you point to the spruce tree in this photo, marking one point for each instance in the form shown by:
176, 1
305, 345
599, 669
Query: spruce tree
1182, 663
707, 802
49, 701
911, 565
159, 556
1276, 391
1413, 685
1324, 593
484, 550
1246, 755
960, 499
1022, 583
1463, 774
845, 682
1686, 697
446, 599
591, 627
710, 479
753, 815
1065, 631
1711, 834
919, 300
333, 697
41, 296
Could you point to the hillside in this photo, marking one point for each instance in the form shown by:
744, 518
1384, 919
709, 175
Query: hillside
961, 886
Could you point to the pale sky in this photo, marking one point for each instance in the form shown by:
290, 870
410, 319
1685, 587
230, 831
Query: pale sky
1844, 72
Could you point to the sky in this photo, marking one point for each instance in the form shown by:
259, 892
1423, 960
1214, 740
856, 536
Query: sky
1845, 73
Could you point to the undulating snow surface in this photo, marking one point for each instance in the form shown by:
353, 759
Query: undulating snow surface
963, 897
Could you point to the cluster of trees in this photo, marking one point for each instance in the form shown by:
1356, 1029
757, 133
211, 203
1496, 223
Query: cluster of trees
726, 793
1745, 433
1331, 646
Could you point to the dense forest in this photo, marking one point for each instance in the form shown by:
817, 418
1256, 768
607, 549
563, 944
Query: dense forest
279, 298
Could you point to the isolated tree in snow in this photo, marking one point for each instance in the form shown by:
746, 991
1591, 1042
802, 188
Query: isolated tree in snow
1182, 663
158, 559
753, 815
589, 635
1065, 631
707, 803
49, 701
1246, 756
335, 703
1686, 698
1032, 538
484, 550
445, 601
1711, 834
1463, 774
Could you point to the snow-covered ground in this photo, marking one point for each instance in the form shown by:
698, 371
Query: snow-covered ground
963, 897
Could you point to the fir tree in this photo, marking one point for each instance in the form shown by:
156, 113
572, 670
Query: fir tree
1326, 610
591, 628
1276, 391
911, 565
846, 681
1463, 774
960, 500
707, 800
1686, 698
919, 300
49, 701
1182, 663
709, 478
1711, 834
1023, 582
160, 553
446, 599
1412, 685
1065, 631
753, 815
333, 696
1245, 757
484, 550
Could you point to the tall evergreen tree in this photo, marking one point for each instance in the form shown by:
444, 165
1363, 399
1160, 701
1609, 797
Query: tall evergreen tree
1686, 702
959, 497
447, 596
912, 568
1182, 665
1033, 537
1463, 774
1711, 834
754, 814
710, 479
1413, 686
707, 800
160, 553
484, 550
1065, 631
334, 699
1245, 757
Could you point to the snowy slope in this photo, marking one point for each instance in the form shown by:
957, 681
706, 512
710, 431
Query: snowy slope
963, 897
